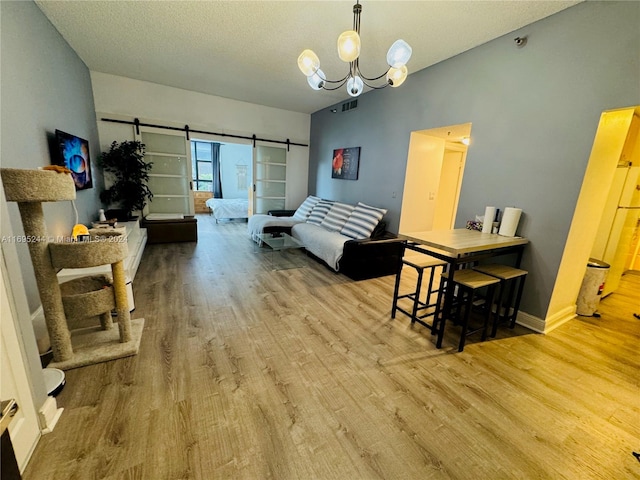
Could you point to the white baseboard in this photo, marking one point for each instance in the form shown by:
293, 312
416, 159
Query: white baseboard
560, 318
546, 325
38, 313
533, 323
49, 415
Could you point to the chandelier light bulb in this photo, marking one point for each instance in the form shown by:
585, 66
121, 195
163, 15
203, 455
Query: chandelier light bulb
349, 46
316, 81
355, 85
399, 54
308, 62
397, 76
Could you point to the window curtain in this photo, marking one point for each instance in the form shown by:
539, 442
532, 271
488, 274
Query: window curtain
216, 187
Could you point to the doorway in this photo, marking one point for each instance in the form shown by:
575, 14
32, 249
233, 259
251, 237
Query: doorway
225, 164
616, 241
435, 167
612, 140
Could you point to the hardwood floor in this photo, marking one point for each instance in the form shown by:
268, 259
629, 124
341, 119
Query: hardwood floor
248, 373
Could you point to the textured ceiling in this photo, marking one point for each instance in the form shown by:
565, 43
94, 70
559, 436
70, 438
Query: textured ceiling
248, 50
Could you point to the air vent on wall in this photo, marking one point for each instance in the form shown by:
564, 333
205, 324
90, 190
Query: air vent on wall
349, 105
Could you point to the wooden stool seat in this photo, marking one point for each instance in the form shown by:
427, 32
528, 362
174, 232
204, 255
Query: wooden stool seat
472, 279
506, 307
468, 282
420, 262
503, 272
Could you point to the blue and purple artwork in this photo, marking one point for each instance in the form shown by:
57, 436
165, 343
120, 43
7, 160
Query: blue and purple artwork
74, 154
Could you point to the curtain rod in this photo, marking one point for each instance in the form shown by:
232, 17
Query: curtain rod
186, 129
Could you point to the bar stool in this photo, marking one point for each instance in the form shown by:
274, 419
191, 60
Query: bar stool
420, 262
467, 282
511, 276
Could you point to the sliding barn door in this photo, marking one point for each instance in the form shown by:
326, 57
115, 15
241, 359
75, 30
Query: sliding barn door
270, 178
170, 177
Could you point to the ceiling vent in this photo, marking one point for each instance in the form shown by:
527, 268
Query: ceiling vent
349, 105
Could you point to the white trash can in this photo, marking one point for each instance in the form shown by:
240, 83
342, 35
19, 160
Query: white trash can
592, 286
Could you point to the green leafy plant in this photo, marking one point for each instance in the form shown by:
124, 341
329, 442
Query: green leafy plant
130, 174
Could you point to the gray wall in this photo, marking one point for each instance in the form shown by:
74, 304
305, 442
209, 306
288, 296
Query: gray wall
45, 86
534, 112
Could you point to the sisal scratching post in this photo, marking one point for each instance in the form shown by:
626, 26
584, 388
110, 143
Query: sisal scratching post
46, 280
106, 322
29, 188
122, 302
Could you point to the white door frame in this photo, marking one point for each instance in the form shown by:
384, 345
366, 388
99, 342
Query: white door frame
24, 428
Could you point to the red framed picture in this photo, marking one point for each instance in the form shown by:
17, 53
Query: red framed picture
345, 164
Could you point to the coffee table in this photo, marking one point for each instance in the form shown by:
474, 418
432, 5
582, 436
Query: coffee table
282, 249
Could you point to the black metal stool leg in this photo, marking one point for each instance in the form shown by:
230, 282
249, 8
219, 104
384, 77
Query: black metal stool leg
516, 305
468, 302
395, 293
416, 298
491, 296
441, 312
430, 291
499, 301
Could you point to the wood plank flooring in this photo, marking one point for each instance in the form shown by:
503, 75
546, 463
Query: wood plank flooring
249, 373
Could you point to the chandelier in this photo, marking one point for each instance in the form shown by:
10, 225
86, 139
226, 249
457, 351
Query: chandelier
349, 51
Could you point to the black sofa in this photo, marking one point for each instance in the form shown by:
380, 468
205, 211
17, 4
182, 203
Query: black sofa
376, 256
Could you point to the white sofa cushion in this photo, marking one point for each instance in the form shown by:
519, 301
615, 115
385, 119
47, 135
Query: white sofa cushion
337, 216
303, 211
319, 211
362, 221
326, 245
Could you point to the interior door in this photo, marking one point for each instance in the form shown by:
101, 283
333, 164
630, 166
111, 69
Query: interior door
23, 429
170, 177
270, 178
444, 216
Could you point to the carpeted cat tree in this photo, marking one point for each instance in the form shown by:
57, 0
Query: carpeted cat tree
82, 298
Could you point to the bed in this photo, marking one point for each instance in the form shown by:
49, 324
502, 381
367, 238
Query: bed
228, 208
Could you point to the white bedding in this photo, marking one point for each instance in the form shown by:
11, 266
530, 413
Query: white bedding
228, 207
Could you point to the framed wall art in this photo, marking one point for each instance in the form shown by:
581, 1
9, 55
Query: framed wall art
73, 153
345, 164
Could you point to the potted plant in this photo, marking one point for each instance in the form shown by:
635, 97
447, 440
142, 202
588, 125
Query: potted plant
130, 174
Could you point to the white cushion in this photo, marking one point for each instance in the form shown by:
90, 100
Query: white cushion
362, 221
337, 216
303, 211
319, 211
327, 246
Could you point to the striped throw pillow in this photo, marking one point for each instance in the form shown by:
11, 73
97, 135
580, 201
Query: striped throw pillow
319, 211
337, 216
362, 221
303, 211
